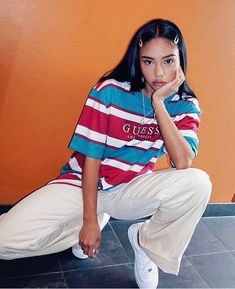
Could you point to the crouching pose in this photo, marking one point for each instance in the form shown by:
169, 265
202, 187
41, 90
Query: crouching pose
140, 111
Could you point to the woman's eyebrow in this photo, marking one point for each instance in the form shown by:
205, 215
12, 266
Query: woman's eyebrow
147, 57
152, 58
170, 55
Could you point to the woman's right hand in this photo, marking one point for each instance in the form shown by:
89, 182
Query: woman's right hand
89, 238
170, 88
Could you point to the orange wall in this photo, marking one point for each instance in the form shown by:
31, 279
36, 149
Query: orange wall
53, 51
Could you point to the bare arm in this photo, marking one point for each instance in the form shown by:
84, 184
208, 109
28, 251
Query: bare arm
89, 237
180, 152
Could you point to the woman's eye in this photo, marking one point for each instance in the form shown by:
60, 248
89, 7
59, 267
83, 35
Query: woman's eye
169, 61
148, 62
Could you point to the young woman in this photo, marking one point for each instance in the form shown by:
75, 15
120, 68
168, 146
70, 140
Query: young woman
140, 111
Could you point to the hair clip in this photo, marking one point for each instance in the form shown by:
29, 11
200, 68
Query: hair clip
176, 40
141, 43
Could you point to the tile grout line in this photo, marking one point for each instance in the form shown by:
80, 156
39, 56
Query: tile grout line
120, 242
218, 238
200, 275
98, 267
62, 272
31, 275
208, 254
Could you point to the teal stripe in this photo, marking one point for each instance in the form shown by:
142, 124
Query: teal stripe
86, 147
122, 99
193, 143
181, 106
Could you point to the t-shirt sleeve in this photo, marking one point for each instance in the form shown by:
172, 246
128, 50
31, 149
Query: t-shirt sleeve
188, 120
90, 135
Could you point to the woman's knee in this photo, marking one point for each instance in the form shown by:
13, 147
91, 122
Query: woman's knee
201, 183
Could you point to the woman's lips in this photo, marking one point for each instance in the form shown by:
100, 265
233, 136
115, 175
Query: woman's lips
158, 83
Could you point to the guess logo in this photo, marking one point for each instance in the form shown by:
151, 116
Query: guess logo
140, 131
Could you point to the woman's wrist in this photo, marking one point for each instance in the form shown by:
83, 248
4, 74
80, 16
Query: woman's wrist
158, 104
90, 220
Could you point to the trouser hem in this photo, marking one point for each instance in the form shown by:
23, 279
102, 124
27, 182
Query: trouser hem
168, 266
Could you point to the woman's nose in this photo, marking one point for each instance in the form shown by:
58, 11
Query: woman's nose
158, 70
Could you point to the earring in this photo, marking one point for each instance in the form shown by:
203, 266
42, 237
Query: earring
143, 80
140, 43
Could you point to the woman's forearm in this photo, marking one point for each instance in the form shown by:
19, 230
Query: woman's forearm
177, 147
90, 178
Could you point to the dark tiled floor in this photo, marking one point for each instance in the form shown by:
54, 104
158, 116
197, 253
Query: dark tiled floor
209, 262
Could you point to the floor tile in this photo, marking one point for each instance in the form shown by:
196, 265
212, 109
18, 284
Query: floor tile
203, 242
207, 263
216, 269
121, 276
111, 253
120, 228
188, 277
224, 229
30, 266
55, 280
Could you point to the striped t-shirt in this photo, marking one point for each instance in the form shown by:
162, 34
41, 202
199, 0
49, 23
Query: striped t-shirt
112, 128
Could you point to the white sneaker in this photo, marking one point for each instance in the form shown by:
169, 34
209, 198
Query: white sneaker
146, 272
77, 250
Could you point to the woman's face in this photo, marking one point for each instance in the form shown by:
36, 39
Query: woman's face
159, 59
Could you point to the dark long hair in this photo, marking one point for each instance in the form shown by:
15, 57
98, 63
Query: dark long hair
129, 69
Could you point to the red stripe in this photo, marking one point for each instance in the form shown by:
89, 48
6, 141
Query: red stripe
188, 123
119, 176
94, 119
68, 176
64, 183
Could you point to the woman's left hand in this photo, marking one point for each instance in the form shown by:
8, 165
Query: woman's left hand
170, 88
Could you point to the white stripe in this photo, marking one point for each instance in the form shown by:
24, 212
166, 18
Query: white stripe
182, 116
114, 142
96, 105
91, 134
105, 185
164, 150
121, 165
125, 115
146, 144
74, 165
124, 85
194, 101
175, 97
189, 133
153, 160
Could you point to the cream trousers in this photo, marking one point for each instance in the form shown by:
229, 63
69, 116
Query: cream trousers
49, 219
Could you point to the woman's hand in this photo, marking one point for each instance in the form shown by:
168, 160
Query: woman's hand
170, 88
89, 239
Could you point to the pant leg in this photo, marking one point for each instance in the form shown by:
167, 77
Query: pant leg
176, 199
45, 222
